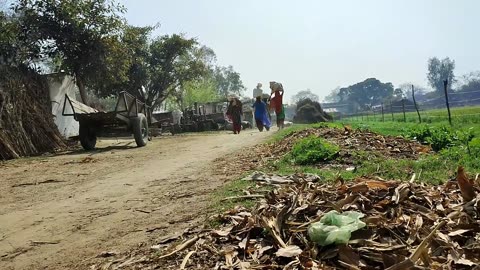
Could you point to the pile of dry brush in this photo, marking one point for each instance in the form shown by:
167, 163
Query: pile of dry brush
410, 225
27, 127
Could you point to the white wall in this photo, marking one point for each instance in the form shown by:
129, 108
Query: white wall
59, 85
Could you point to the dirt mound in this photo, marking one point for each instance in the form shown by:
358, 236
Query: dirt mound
309, 112
26, 122
407, 225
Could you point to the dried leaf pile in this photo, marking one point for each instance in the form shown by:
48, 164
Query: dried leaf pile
409, 226
349, 140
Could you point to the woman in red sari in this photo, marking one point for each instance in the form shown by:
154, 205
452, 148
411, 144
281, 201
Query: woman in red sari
276, 103
234, 112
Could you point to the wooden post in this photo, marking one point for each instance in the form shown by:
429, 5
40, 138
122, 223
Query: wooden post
391, 110
374, 117
415, 102
383, 116
362, 116
403, 108
367, 115
445, 85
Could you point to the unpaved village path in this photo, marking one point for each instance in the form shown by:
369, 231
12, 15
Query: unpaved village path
57, 212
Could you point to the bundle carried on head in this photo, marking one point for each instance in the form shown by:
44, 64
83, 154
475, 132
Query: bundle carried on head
276, 86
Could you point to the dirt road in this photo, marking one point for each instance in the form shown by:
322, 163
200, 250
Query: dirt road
56, 212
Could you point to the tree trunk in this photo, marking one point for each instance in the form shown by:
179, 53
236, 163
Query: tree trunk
83, 91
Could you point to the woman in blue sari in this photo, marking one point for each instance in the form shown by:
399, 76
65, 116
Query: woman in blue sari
261, 114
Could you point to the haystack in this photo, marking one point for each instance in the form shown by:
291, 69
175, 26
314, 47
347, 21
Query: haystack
27, 126
309, 112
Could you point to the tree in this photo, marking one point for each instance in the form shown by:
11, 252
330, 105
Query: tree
404, 90
367, 93
8, 35
84, 34
203, 90
470, 83
16, 49
304, 94
136, 41
199, 83
171, 65
398, 94
440, 70
333, 96
228, 81
160, 67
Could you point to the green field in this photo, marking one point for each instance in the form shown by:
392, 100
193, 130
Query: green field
460, 116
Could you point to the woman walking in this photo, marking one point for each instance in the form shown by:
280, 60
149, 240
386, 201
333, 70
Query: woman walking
234, 112
261, 114
276, 103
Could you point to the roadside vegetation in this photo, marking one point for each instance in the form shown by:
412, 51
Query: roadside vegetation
445, 148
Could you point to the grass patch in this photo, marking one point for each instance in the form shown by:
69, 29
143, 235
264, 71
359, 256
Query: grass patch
279, 135
312, 150
232, 189
456, 145
433, 169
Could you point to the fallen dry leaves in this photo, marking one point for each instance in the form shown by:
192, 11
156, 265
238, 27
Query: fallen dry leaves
409, 226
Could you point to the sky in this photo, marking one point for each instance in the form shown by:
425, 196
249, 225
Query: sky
320, 44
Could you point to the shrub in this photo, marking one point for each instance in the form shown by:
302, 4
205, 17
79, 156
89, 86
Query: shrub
312, 150
474, 147
438, 137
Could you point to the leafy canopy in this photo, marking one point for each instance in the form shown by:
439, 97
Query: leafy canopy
440, 70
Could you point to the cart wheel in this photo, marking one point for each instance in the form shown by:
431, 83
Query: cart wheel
214, 125
140, 129
87, 135
194, 127
200, 127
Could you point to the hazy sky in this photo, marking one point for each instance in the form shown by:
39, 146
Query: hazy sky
320, 44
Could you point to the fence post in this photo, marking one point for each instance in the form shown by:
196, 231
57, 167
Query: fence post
367, 115
383, 117
415, 102
403, 108
374, 117
391, 110
361, 113
445, 84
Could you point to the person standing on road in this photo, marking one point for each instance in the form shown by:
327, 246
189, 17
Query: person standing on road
257, 92
266, 100
234, 112
276, 103
260, 111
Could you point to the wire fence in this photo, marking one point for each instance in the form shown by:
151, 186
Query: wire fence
461, 107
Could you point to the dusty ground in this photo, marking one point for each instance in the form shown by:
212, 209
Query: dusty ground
57, 212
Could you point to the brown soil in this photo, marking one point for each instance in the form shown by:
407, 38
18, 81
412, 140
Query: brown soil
58, 212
